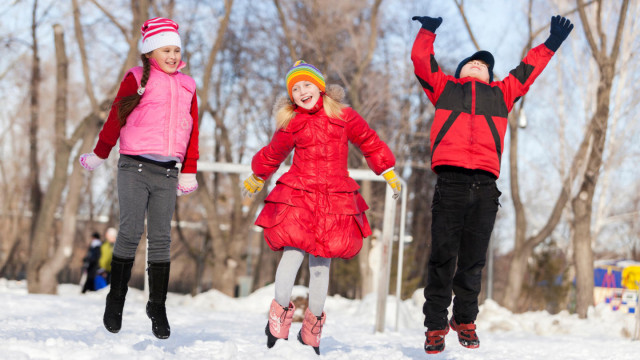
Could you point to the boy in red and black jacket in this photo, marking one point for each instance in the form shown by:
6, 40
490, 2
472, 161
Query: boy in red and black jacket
467, 139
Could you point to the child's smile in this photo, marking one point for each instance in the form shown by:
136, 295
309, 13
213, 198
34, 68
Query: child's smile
167, 57
305, 94
476, 69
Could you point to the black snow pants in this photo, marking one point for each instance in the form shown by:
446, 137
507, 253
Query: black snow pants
465, 203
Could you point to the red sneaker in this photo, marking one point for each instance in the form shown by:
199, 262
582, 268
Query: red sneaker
435, 340
466, 334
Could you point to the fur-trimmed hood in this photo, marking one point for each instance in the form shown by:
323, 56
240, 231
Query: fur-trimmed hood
334, 91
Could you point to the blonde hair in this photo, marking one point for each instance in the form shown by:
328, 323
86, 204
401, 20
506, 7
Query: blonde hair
332, 108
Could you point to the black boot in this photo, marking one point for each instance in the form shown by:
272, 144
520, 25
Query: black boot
156, 310
120, 275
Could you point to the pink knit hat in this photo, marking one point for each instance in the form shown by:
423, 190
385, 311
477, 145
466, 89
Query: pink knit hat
159, 32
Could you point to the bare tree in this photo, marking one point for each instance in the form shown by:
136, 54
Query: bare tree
34, 167
40, 276
43, 268
225, 254
582, 205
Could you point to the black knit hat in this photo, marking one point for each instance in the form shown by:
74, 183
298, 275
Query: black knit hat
480, 55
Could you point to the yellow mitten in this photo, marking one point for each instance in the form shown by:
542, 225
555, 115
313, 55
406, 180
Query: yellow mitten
393, 181
252, 186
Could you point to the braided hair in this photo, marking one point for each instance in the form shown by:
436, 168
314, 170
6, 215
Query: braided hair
128, 103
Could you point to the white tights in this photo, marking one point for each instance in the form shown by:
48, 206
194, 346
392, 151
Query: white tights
318, 279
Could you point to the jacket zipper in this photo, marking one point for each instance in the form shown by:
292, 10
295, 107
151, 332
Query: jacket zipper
472, 119
172, 115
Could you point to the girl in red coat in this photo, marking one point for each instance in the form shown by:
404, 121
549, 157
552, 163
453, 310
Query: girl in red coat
315, 207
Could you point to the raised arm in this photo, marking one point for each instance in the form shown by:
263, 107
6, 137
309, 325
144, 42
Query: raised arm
517, 83
431, 78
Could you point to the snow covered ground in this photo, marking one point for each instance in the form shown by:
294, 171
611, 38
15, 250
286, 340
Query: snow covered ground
214, 326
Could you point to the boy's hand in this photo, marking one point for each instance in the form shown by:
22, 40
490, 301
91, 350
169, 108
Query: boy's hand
428, 23
560, 29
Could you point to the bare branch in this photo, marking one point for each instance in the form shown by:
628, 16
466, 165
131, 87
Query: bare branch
214, 52
601, 34
546, 26
565, 192
364, 63
616, 44
83, 56
460, 5
287, 33
113, 19
587, 29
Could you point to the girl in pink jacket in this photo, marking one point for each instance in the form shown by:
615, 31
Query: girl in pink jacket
315, 207
155, 117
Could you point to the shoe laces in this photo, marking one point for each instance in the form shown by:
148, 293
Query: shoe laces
318, 321
283, 316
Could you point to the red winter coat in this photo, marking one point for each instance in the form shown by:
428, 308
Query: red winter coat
471, 116
316, 206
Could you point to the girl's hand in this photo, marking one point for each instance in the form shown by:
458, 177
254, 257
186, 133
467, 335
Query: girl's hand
90, 161
187, 184
252, 186
393, 181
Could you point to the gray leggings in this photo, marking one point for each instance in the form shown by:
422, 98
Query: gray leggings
145, 189
318, 279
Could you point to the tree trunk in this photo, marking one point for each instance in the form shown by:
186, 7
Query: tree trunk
515, 277
225, 263
518, 265
34, 166
41, 274
582, 203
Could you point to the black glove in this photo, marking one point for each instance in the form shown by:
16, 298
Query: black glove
428, 23
560, 29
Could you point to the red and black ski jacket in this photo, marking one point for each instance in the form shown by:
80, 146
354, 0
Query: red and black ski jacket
471, 115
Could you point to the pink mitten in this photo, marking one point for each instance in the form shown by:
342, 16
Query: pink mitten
90, 161
187, 183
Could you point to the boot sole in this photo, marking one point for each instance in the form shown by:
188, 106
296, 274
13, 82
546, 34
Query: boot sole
161, 337
434, 352
468, 346
271, 340
113, 331
109, 329
315, 348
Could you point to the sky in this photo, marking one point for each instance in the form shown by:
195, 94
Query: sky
214, 326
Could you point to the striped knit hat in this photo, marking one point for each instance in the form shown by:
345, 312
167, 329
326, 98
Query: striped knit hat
159, 32
302, 71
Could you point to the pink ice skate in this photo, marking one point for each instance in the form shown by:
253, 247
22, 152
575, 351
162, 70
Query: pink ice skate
279, 322
311, 330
